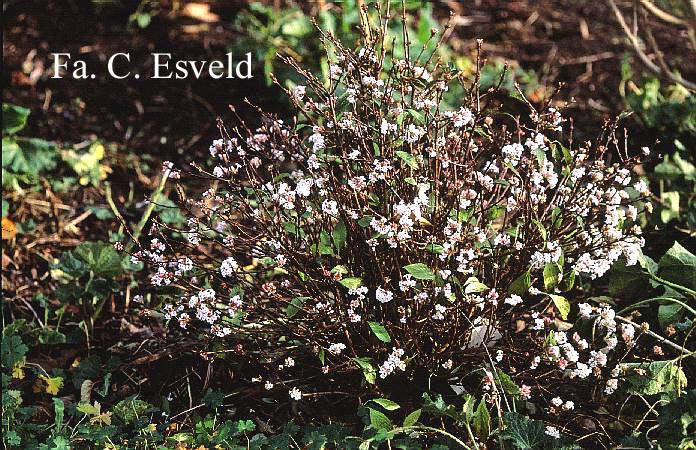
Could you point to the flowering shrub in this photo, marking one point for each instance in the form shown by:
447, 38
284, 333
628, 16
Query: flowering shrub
382, 233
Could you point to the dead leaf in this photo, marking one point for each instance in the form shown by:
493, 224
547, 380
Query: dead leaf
9, 229
200, 11
196, 29
86, 391
53, 384
6, 261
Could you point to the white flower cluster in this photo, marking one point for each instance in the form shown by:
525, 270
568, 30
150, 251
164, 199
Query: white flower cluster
393, 363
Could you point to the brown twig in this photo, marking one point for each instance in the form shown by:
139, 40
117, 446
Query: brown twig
647, 62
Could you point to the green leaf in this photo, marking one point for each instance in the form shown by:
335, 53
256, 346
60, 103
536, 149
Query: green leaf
299, 26
243, 426
365, 221
340, 269
556, 217
60, 443
59, 408
412, 418
368, 369
661, 377
100, 257
88, 409
551, 272
379, 421
420, 271
53, 384
482, 420
169, 212
473, 286
562, 304
626, 281
541, 228
568, 280
676, 422
418, 116
523, 433
669, 313
13, 350
14, 118
143, 20
521, 284
508, 385
678, 265
325, 244
670, 211
295, 306
339, 235
386, 404
379, 331
28, 156
351, 282
408, 158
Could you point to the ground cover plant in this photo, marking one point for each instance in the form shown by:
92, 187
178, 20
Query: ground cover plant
413, 254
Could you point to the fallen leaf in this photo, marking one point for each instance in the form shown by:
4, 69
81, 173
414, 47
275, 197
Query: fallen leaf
200, 11
9, 229
53, 384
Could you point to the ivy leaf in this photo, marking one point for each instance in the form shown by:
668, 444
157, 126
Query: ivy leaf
626, 281
562, 304
14, 118
29, 156
379, 331
420, 271
678, 265
660, 377
379, 421
351, 282
523, 433
98, 257
669, 313
13, 350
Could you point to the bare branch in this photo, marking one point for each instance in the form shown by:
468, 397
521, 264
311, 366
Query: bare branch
649, 64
